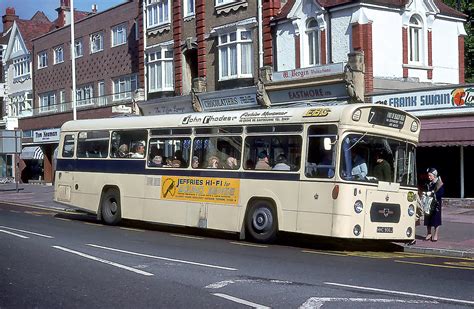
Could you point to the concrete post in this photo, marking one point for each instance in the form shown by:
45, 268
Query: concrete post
354, 78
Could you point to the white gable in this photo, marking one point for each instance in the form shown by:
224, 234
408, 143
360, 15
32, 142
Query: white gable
16, 45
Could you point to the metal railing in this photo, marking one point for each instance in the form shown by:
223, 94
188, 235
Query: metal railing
89, 103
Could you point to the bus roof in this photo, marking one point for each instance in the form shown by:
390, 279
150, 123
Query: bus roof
342, 113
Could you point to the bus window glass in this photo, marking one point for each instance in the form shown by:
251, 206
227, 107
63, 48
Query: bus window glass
372, 159
217, 152
169, 152
320, 162
128, 144
275, 152
93, 144
68, 146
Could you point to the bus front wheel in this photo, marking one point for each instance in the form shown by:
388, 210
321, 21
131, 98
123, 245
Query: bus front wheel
110, 207
261, 222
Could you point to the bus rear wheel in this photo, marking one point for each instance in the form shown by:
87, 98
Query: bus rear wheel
110, 207
261, 222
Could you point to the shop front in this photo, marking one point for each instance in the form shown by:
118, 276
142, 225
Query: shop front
37, 156
447, 133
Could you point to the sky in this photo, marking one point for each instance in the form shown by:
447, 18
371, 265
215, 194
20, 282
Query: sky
25, 9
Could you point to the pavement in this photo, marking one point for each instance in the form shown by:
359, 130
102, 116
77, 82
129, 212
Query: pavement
456, 235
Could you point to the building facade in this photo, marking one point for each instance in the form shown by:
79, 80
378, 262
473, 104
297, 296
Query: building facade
106, 54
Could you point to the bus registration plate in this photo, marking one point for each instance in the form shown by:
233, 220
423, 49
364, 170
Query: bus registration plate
384, 229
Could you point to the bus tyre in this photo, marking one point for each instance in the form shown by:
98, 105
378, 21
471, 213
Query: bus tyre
110, 207
261, 222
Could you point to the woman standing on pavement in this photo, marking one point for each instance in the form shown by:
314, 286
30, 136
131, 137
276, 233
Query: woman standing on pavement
435, 186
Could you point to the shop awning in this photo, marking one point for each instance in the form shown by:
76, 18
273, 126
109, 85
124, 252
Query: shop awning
447, 131
32, 153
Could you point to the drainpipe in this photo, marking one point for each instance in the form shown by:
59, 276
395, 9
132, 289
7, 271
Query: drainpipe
260, 34
145, 79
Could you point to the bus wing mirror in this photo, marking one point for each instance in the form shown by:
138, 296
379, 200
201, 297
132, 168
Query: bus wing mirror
327, 143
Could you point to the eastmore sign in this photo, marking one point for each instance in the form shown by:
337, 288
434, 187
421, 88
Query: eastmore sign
431, 102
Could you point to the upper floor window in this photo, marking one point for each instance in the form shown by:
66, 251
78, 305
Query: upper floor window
160, 70
58, 55
78, 49
235, 55
125, 86
188, 7
42, 59
16, 45
97, 42
312, 33
47, 102
84, 95
21, 67
157, 12
119, 35
415, 39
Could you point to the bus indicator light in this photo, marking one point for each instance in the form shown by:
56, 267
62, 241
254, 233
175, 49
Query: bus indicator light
357, 230
409, 231
411, 196
358, 206
411, 210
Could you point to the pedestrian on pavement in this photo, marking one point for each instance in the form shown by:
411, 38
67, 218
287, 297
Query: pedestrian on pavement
435, 187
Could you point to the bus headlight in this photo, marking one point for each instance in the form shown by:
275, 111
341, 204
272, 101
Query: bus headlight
356, 115
414, 126
409, 232
358, 206
411, 210
356, 230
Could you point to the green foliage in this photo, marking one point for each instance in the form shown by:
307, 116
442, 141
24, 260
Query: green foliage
467, 7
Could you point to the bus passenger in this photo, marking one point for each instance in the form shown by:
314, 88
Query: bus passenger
231, 163
178, 156
139, 151
262, 163
281, 164
213, 162
382, 169
123, 151
157, 161
195, 162
359, 166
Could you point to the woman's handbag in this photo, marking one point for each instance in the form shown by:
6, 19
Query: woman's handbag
428, 203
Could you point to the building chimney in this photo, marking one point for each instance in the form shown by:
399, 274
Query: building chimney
64, 12
94, 8
9, 18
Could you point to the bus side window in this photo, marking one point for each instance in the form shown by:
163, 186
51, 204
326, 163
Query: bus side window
320, 161
273, 152
221, 152
124, 144
169, 152
93, 144
68, 146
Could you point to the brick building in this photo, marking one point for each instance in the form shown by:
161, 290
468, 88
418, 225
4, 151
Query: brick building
106, 50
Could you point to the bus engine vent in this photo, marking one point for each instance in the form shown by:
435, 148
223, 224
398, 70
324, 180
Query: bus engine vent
384, 212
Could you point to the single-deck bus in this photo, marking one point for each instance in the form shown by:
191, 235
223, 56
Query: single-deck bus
345, 171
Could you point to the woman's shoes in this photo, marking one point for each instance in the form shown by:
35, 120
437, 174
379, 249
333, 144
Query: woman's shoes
428, 237
434, 239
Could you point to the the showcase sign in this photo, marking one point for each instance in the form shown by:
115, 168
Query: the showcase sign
49, 135
431, 102
324, 70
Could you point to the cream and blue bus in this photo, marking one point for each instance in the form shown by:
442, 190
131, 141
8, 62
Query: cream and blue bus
344, 171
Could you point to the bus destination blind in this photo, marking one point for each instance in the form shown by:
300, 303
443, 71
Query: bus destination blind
386, 118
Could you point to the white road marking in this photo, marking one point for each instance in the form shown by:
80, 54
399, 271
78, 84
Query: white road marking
131, 229
241, 301
402, 293
62, 219
221, 284
93, 224
317, 302
247, 244
27, 232
187, 236
163, 258
141, 272
14, 234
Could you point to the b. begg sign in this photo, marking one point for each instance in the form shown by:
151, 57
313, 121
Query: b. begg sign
10, 141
